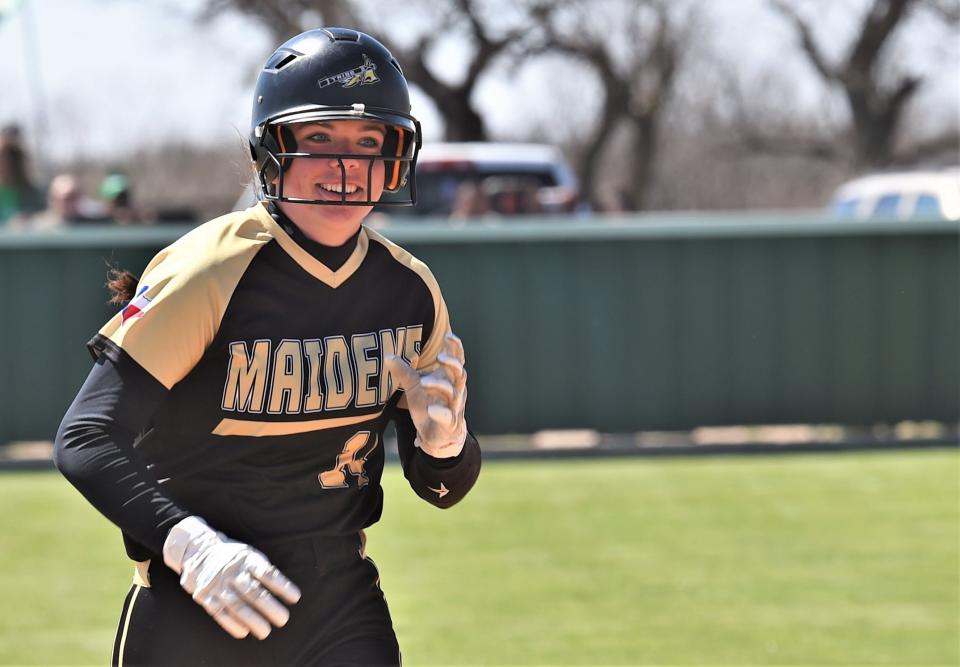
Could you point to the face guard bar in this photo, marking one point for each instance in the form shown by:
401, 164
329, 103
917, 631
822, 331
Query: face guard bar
274, 191
404, 160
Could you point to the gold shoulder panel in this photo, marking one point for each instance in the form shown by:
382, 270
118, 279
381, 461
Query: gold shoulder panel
184, 291
441, 324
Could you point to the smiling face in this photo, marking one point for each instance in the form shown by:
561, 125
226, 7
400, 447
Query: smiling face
323, 179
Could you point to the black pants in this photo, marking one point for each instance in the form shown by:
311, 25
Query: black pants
341, 619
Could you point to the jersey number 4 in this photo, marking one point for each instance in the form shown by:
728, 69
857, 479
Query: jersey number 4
350, 460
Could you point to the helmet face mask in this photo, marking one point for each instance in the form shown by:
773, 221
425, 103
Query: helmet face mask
329, 75
278, 150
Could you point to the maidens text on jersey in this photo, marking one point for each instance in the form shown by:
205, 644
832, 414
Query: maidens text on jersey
314, 375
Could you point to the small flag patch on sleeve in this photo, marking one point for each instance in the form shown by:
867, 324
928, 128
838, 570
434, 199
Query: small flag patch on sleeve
136, 306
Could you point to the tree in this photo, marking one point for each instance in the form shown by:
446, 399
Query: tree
876, 96
633, 47
635, 53
454, 100
462, 122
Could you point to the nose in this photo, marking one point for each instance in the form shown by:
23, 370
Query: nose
348, 163
343, 146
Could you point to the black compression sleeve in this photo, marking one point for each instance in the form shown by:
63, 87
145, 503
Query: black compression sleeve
94, 450
441, 482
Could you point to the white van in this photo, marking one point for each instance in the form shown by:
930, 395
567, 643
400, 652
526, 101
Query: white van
914, 195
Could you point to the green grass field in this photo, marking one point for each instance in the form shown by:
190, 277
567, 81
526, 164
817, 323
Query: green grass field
819, 560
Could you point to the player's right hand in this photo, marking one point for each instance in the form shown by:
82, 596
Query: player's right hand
231, 580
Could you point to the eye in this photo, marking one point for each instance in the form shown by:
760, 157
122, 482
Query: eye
369, 142
319, 137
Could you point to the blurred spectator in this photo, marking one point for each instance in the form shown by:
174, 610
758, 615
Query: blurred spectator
557, 199
116, 194
67, 205
469, 202
19, 198
512, 195
11, 133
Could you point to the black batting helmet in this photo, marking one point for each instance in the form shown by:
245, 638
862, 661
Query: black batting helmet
332, 74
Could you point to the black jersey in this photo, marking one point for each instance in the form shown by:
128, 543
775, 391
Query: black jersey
277, 399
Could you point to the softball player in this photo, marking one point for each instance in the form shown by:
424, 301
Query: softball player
232, 425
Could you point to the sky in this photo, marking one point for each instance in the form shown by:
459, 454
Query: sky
90, 78
135, 72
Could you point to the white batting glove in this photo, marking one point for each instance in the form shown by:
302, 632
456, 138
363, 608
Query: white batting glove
231, 580
437, 399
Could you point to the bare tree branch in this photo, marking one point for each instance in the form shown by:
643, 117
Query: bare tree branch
282, 18
882, 19
453, 100
468, 9
903, 91
807, 41
659, 65
487, 47
876, 114
635, 91
947, 10
616, 91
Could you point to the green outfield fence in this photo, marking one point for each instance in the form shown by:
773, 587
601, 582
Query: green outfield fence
624, 324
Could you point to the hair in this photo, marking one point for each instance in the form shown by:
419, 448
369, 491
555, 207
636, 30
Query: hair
122, 285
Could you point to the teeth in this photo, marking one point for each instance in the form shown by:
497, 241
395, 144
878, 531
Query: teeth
336, 187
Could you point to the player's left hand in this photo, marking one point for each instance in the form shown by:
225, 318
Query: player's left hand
437, 399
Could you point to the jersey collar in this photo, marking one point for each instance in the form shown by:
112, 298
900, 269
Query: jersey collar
308, 262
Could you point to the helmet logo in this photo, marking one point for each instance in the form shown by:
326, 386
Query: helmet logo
364, 74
